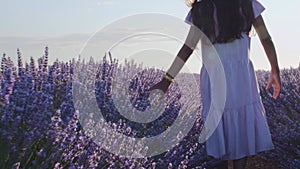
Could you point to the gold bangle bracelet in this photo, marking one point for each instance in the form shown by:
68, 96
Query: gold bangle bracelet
168, 78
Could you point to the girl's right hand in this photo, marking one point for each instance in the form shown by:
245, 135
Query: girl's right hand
275, 81
163, 85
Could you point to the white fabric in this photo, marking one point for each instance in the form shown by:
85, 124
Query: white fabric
243, 129
258, 8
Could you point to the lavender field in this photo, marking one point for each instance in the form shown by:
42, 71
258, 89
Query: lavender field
40, 128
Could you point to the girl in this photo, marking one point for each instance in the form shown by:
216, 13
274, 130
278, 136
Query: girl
243, 130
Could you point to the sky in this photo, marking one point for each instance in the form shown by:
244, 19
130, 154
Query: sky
65, 26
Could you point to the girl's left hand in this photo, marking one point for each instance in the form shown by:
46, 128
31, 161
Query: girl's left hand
274, 80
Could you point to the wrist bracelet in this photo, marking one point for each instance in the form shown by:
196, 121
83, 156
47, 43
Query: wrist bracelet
169, 75
168, 78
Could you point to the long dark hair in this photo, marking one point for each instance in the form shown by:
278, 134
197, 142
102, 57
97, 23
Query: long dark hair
233, 16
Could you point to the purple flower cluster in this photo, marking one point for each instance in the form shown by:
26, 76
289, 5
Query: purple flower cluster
40, 128
283, 115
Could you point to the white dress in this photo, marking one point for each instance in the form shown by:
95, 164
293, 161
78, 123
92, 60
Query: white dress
243, 129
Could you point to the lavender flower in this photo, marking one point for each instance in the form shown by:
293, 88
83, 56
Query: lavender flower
40, 127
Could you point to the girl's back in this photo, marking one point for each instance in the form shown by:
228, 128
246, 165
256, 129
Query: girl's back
243, 129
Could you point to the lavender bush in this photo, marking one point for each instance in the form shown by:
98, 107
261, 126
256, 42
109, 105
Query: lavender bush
40, 128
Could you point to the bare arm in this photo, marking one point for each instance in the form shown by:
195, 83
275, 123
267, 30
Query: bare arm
182, 56
186, 50
270, 51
